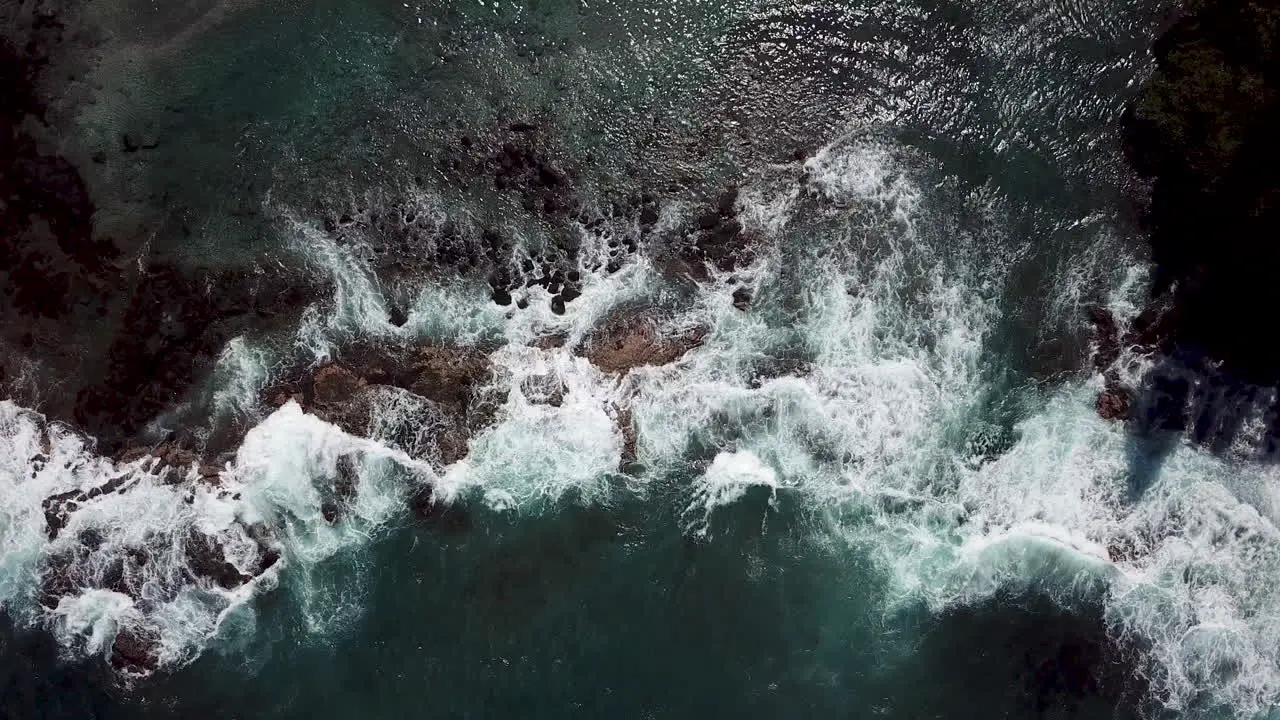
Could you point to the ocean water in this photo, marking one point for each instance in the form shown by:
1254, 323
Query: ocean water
882, 490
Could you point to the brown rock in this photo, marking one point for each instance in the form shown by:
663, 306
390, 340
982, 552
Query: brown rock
452, 378
448, 375
136, 650
634, 339
334, 383
549, 342
174, 456
132, 453
1113, 405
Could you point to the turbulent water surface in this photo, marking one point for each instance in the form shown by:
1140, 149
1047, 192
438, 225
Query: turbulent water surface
875, 483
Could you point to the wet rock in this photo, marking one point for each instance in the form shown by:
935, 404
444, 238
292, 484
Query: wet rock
524, 166
1203, 132
544, 390
397, 315
550, 342
333, 384
770, 367
345, 484
135, 650
727, 203
206, 559
58, 508
557, 304
715, 240
627, 429
177, 324
1106, 338
742, 298
633, 339
132, 453
170, 455
57, 579
1113, 404
345, 391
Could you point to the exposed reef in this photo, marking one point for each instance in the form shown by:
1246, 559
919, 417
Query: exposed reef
1204, 132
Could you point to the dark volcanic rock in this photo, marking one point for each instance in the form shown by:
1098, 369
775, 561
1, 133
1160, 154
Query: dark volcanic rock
1204, 131
136, 650
1025, 656
716, 239
207, 559
449, 518
544, 390
108, 331
57, 508
176, 324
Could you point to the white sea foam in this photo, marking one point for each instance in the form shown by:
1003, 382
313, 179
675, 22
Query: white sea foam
728, 479
274, 483
538, 450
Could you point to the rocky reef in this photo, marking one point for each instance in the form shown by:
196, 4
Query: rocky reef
1203, 132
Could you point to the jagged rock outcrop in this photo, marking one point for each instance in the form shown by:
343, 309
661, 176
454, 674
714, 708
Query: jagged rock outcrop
1203, 131
636, 338
451, 380
713, 240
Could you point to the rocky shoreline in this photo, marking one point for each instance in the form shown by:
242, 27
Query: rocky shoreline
1203, 133
124, 331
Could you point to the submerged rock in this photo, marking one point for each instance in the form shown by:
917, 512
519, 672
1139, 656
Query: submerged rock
449, 518
716, 240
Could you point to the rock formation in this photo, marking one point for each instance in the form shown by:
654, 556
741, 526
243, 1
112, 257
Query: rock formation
452, 379
636, 338
1203, 131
